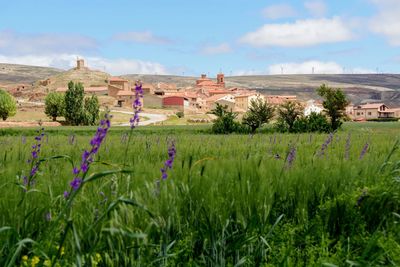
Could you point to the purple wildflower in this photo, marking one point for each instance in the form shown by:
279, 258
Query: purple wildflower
71, 139
76, 183
48, 216
34, 161
361, 197
364, 150
168, 163
137, 104
87, 156
325, 145
66, 194
291, 156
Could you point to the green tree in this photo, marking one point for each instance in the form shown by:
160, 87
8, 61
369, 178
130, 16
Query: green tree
74, 106
259, 113
92, 110
334, 103
54, 105
225, 123
8, 106
288, 113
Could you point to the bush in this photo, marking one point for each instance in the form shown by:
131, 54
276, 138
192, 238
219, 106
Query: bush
54, 105
260, 112
92, 110
74, 106
225, 123
180, 114
8, 106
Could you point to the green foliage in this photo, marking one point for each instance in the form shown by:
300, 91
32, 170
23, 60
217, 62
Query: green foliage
54, 105
288, 113
180, 114
259, 113
8, 106
311, 123
226, 122
335, 103
74, 104
229, 200
92, 110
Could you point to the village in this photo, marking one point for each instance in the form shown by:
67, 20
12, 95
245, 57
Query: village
205, 94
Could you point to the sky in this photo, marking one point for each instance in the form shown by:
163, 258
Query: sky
181, 37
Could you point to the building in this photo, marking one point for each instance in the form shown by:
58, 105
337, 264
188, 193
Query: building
370, 111
312, 107
175, 102
204, 82
224, 100
279, 99
243, 101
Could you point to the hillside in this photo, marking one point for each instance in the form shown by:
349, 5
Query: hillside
23, 74
359, 87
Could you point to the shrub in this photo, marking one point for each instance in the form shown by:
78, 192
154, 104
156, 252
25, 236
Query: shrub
288, 113
8, 106
54, 105
180, 114
260, 112
92, 110
74, 106
225, 123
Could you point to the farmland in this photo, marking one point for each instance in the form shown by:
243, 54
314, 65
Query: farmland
252, 200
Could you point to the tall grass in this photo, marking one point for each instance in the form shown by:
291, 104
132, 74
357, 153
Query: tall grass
228, 201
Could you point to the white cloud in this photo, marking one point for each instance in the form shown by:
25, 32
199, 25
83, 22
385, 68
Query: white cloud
218, 49
317, 8
387, 20
316, 67
279, 11
300, 33
66, 61
21, 43
145, 37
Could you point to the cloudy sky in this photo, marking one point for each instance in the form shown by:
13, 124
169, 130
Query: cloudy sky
184, 37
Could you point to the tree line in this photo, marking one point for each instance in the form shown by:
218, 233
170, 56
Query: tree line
289, 115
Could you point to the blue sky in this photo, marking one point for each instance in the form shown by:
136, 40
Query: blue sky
184, 37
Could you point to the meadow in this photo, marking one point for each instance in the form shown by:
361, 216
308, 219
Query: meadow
228, 200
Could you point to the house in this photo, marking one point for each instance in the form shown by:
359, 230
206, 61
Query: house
279, 99
148, 88
165, 89
370, 111
204, 82
312, 107
176, 102
243, 101
224, 100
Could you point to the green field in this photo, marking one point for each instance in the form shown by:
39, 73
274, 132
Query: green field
229, 200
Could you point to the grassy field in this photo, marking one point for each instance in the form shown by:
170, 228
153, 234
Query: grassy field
236, 200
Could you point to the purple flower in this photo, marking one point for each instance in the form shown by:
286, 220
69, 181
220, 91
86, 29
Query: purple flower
291, 156
364, 151
168, 163
87, 156
34, 161
76, 183
325, 145
137, 105
48, 216
66, 194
